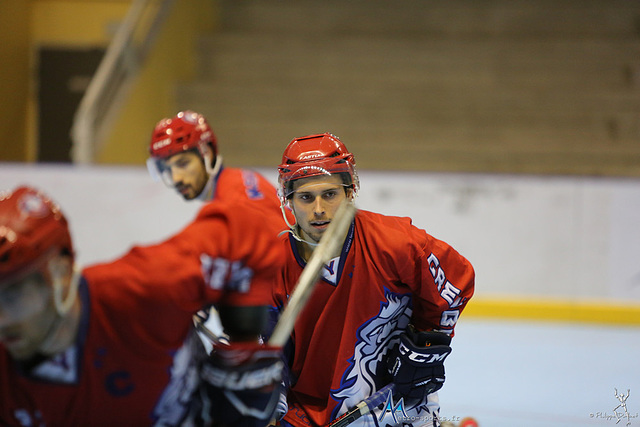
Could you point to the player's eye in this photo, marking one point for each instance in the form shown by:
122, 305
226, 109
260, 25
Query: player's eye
179, 161
181, 164
330, 194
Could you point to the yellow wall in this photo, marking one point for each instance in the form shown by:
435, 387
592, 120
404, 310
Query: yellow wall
173, 59
70, 23
76, 23
14, 78
26, 25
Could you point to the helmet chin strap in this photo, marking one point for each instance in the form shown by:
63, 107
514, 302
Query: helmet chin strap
297, 237
52, 340
293, 228
207, 192
284, 215
63, 306
215, 169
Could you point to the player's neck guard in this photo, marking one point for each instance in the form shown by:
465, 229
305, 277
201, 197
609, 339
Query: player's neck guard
295, 235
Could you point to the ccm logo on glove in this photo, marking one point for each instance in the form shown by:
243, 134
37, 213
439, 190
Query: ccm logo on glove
416, 362
422, 357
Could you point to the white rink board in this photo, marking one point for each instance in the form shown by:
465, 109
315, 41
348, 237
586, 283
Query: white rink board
560, 237
109, 208
549, 237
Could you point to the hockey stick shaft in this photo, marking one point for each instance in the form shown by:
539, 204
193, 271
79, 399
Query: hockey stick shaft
329, 244
364, 407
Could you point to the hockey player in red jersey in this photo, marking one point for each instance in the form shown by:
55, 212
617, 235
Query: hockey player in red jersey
112, 344
184, 154
385, 308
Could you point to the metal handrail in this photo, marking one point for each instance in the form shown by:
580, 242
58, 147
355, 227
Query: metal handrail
111, 81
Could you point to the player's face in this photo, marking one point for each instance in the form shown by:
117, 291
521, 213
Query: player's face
315, 201
187, 173
26, 315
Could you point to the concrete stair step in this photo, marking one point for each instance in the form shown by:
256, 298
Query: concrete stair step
512, 86
517, 18
478, 62
388, 96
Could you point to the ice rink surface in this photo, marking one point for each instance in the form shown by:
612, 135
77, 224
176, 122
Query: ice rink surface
514, 374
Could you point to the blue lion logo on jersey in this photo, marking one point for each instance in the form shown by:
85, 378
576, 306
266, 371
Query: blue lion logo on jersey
374, 339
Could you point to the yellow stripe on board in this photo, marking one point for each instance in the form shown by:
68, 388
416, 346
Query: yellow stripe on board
554, 310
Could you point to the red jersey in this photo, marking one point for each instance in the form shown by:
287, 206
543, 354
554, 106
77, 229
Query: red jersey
390, 274
245, 184
132, 363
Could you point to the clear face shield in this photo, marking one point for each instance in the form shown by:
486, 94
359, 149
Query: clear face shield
286, 179
165, 169
160, 171
317, 187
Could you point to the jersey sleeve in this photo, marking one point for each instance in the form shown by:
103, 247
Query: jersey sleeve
442, 281
227, 256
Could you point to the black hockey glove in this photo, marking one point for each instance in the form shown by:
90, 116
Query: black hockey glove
416, 363
243, 382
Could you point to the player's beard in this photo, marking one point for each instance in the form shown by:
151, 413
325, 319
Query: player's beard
186, 191
312, 233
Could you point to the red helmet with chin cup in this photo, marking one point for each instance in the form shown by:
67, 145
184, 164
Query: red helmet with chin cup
32, 229
188, 130
315, 155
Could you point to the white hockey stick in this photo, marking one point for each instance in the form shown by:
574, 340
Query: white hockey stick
329, 243
364, 407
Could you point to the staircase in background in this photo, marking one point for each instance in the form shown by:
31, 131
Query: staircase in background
507, 86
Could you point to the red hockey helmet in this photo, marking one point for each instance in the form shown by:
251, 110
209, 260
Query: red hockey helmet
32, 229
314, 155
188, 130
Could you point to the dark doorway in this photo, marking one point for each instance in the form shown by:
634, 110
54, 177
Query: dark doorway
63, 77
